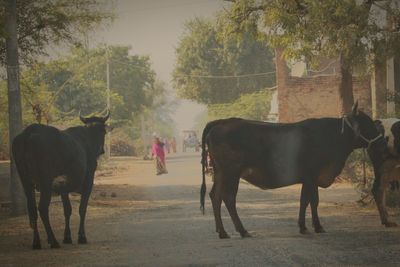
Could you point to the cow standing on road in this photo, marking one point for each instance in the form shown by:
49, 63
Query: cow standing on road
57, 161
386, 165
272, 155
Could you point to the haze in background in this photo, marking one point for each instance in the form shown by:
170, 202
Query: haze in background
154, 27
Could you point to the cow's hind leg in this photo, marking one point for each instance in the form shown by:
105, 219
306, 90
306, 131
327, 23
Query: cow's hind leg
380, 199
45, 198
67, 215
33, 216
216, 200
229, 197
314, 201
82, 211
304, 201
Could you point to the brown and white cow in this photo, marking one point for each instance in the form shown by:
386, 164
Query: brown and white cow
386, 165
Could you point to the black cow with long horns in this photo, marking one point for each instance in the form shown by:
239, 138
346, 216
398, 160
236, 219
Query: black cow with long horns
50, 160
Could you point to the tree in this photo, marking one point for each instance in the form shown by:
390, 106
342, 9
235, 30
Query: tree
42, 23
213, 68
14, 96
253, 106
28, 27
308, 29
54, 92
77, 82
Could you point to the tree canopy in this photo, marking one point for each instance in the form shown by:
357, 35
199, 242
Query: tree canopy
215, 68
311, 28
56, 91
42, 23
77, 82
358, 32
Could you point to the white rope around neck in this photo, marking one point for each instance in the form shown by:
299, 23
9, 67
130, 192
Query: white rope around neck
368, 141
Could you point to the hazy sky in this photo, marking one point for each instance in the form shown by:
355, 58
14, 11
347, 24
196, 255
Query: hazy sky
154, 27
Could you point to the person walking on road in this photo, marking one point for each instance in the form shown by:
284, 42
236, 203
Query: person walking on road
157, 151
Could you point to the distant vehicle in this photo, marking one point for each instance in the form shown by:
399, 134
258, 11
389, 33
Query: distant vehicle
190, 140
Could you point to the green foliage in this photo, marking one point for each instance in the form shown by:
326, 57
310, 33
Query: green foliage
42, 23
61, 88
205, 51
254, 106
78, 83
312, 28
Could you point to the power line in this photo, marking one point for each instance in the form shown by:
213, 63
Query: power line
227, 76
202, 76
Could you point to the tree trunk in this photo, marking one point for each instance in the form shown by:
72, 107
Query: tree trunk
14, 102
379, 89
346, 98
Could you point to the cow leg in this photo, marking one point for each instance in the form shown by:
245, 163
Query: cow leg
67, 216
33, 216
304, 201
216, 200
44, 202
82, 212
314, 210
380, 200
229, 197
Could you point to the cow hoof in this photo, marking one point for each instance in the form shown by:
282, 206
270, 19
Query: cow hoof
319, 230
54, 245
304, 231
223, 235
245, 234
82, 240
390, 224
67, 240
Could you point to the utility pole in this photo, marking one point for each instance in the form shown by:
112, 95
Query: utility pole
143, 134
14, 102
108, 103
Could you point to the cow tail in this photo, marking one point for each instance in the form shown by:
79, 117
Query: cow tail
203, 167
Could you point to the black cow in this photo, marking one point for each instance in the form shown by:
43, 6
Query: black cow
272, 155
57, 161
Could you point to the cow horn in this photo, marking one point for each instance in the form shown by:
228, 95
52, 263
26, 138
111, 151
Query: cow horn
354, 109
105, 118
83, 119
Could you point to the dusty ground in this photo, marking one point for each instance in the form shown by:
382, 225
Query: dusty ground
155, 221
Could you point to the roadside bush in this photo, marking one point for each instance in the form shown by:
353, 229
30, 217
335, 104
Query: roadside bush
122, 144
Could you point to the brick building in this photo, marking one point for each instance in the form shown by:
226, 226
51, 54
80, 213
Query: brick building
318, 95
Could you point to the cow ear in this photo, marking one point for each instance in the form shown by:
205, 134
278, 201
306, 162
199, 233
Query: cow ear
354, 109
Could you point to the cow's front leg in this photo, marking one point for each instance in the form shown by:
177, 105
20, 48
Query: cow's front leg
304, 201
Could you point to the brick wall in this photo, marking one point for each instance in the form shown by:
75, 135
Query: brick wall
314, 97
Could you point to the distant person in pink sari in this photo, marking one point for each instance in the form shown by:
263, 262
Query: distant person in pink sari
157, 151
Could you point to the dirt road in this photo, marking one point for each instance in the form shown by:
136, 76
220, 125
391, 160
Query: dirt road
155, 221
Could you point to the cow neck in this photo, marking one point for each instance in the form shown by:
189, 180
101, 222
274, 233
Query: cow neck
369, 142
90, 141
